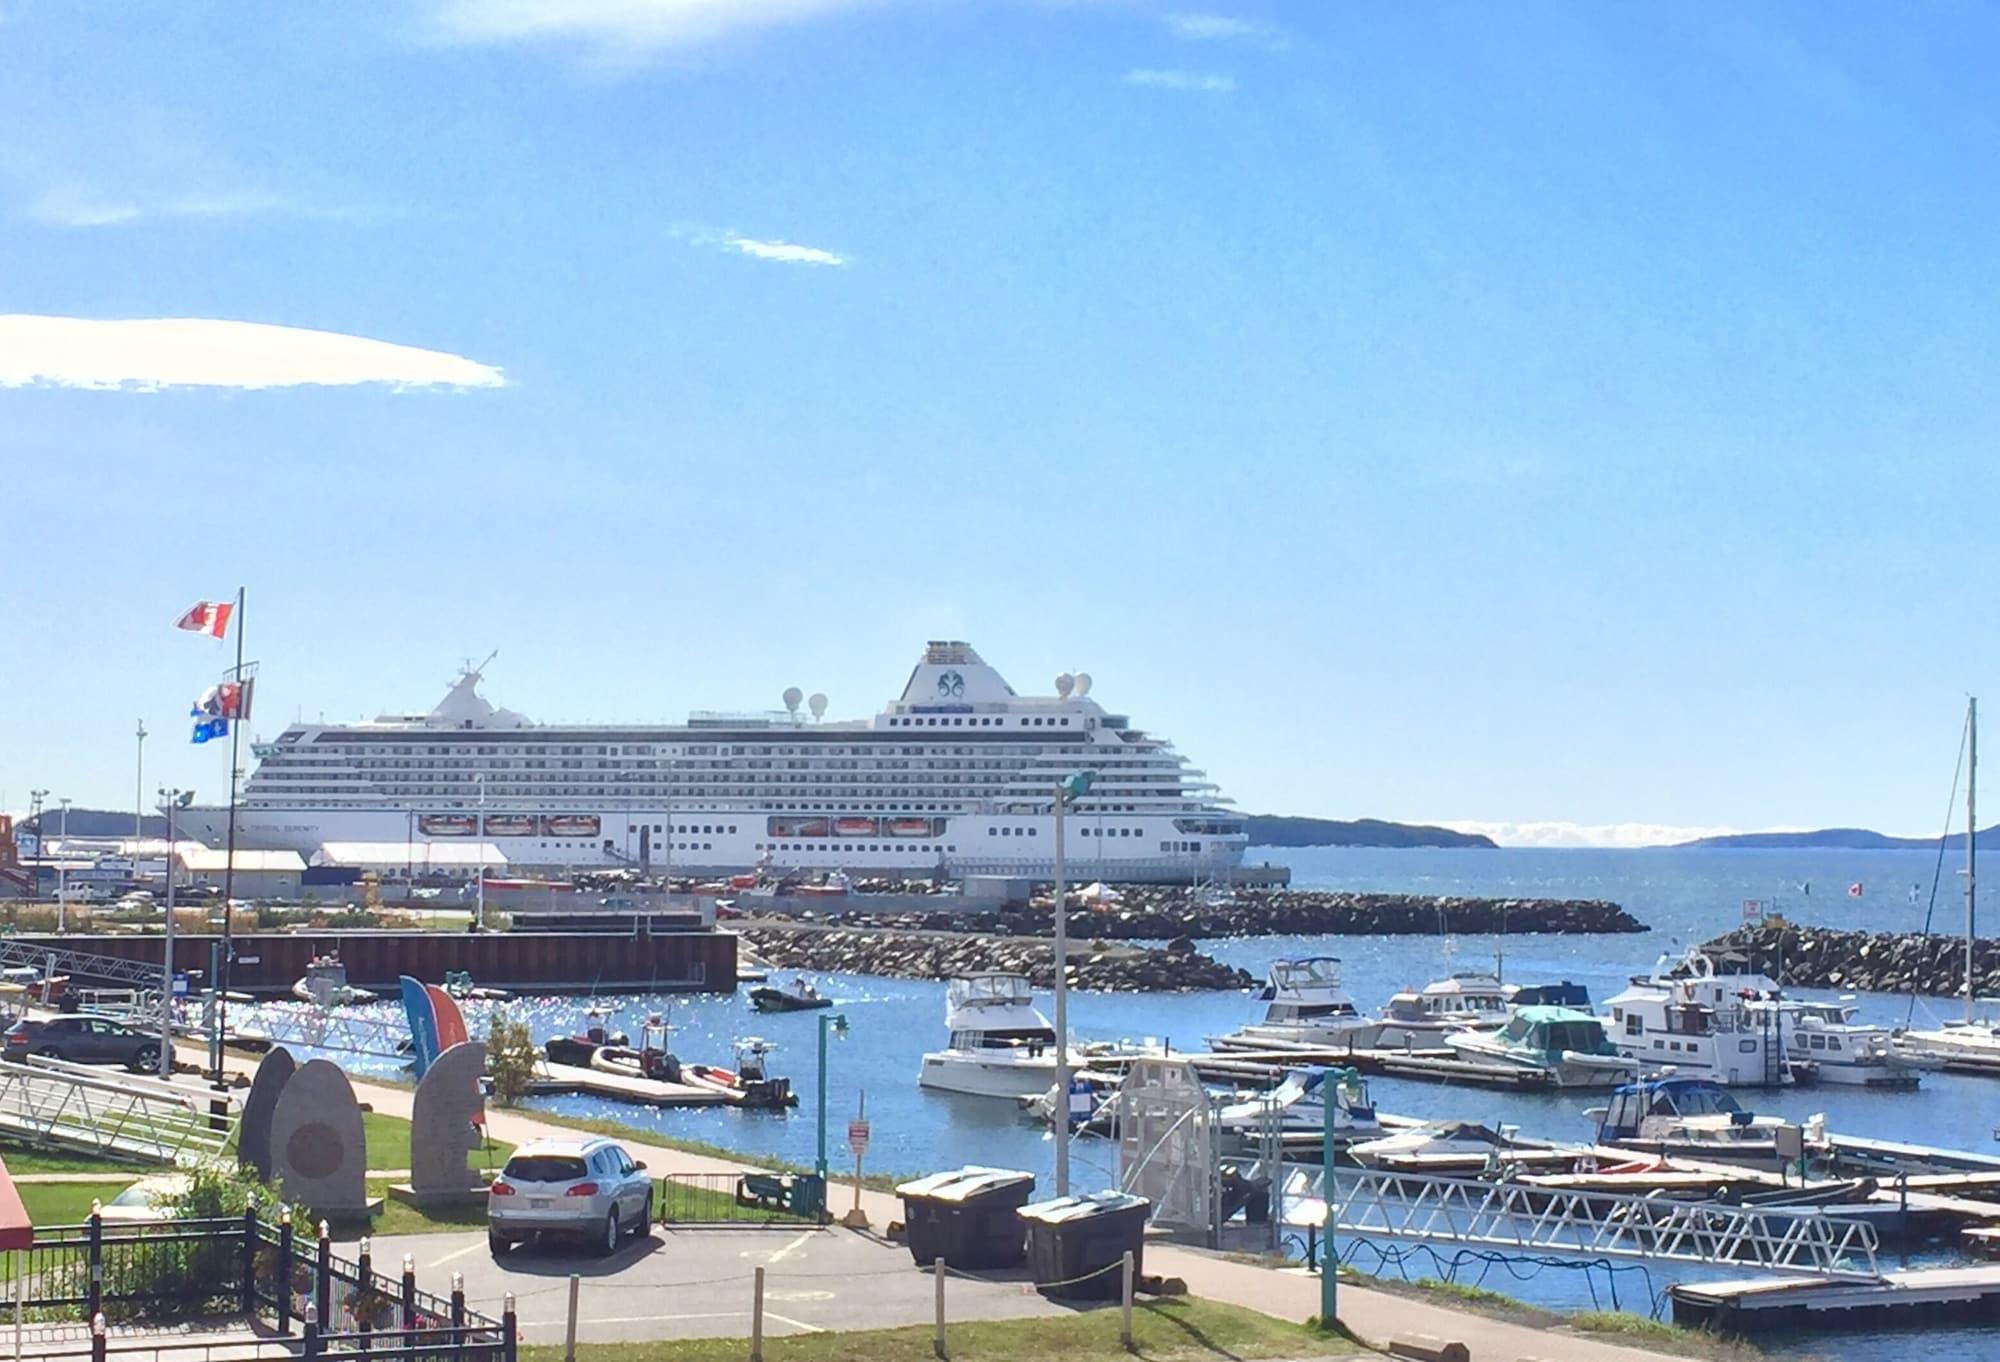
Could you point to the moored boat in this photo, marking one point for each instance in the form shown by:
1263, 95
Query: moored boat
750, 1084
325, 985
1420, 1018
1000, 1045
797, 996
1571, 1046
1304, 1005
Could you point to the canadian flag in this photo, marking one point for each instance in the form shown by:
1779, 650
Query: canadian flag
1854, 890
207, 618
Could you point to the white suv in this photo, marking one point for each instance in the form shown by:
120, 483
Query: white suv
587, 1188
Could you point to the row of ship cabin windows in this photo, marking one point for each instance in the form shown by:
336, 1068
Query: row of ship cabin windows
1748, 1047
705, 827
976, 723
849, 846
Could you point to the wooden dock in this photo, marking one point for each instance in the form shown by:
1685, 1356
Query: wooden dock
1268, 1062
1917, 1296
651, 1092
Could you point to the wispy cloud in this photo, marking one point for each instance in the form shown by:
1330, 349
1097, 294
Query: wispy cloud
123, 169
150, 354
1223, 28
1195, 81
757, 248
614, 29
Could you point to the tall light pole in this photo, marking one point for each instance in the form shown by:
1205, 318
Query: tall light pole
62, 875
173, 799
139, 792
838, 1023
36, 798
479, 919
1068, 788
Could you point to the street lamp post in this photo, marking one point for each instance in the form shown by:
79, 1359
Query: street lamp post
62, 875
479, 919
1068, 788
139, 792
36, 798
838, 1024
173, 799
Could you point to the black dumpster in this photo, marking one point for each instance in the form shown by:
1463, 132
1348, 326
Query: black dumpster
966, 1217
1076, 1245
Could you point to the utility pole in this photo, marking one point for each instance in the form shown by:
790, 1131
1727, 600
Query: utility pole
173, 799
62, 875
139, 793
1971, 839
1068, 788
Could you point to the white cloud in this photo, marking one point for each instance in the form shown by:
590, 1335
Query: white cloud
1562, 834
783, 251
1198, 82
195, 352
1221, 28
612, 27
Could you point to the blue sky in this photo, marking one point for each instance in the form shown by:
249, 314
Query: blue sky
1532, 414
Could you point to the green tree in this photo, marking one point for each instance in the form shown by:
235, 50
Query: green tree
511, 1057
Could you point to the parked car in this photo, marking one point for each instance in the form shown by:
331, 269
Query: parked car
84, 1039
147, 1201
585, 1188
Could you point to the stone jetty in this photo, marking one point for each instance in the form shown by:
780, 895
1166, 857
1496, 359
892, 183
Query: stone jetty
1167, 914
1095, 965
1866, 962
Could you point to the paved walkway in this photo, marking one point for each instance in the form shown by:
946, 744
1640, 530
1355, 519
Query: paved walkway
1283, 1293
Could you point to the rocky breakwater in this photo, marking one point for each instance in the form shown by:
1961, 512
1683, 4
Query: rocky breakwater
1867, 962
1156, 914
1093, 965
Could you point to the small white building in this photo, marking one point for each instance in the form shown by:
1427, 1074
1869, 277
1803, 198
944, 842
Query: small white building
258, 874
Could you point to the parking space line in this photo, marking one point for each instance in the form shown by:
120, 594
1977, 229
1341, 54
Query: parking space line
646, 1319
793, 1247
457, 1253
795, 1323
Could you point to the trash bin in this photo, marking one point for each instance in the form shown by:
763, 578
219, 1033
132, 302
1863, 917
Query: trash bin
966, 1217
1076, 1244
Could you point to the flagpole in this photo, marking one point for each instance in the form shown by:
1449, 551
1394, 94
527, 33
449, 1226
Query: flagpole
229, 864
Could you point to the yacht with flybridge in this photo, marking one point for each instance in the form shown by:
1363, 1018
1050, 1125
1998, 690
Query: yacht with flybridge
953, 777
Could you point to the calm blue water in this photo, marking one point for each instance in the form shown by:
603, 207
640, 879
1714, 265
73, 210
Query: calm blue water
1684, 896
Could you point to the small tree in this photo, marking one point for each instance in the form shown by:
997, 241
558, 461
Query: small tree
510, 1057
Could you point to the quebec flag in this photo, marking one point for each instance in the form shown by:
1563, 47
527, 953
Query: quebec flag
208, 726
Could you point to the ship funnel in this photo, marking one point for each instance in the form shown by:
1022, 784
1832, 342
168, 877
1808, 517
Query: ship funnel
792, 697
817, 705
1065, 684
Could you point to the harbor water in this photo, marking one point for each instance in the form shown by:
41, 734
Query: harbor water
1684, 896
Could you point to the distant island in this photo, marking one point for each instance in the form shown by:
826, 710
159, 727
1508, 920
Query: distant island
1839, 839
1271, 830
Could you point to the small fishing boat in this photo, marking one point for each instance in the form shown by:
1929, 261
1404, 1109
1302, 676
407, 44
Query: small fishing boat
628, 1062
325, 984
798, 996
458, 983
751, 1084
1298, 1103
578, 1050
1453, 1143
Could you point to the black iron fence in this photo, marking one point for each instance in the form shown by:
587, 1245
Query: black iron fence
250, 1270
751, 1197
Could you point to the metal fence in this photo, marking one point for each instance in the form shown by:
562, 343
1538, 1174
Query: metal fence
251, 1270
746, 1198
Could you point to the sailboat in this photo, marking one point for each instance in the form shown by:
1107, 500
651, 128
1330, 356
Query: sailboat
1970, 1043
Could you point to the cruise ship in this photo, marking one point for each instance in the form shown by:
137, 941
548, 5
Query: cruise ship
954, 777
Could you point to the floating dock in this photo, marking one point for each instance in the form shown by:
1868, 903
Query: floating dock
1269, 1060
1918, 1296
651, 1092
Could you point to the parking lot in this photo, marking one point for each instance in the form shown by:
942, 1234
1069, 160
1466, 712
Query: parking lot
696, 1283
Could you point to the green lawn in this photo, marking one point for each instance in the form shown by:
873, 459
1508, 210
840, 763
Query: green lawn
1185, 1330
21, 1159
67, 1203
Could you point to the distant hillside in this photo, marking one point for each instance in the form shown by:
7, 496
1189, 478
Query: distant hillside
1270, 830
1840, 839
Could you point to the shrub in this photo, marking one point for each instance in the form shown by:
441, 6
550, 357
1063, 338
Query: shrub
511, 1057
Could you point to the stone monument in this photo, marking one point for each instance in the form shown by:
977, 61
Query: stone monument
319, 1152
448, 1122
253, 1131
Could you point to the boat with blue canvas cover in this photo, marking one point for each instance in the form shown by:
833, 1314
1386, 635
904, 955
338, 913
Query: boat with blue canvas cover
1571, 1045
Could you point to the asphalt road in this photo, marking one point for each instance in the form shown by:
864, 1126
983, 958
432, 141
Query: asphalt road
698, 1283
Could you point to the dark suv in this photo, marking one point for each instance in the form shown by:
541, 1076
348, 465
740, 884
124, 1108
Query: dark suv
85, 1040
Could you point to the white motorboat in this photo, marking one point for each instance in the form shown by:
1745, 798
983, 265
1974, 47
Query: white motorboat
1694, 1118
1304, 1004
1000, 1045
325, 984
1573, 1046
1841, 1049
1446, 1143
1420, 1019
1298, 1103
1691, 1016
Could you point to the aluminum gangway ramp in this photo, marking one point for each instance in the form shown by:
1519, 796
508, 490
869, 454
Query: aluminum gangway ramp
1541, 1220
308, 1026
17, 954
113, 1113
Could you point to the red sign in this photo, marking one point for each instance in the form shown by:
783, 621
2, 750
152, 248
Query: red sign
857, 1137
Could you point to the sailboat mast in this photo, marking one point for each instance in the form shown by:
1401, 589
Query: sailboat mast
1971, 837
